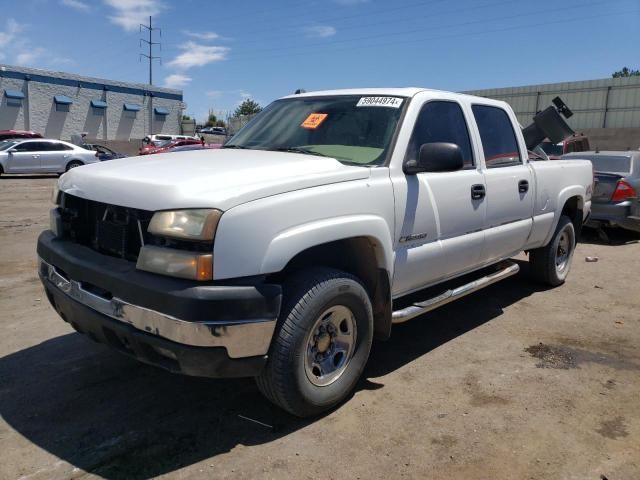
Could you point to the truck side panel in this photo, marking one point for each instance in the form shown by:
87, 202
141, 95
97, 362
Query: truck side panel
556, 182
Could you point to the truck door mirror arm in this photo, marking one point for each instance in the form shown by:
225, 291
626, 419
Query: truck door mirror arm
436, 157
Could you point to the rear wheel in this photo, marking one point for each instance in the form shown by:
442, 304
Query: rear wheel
321, 344
550, 264
74, 164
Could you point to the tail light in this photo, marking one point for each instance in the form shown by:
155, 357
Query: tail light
623, 191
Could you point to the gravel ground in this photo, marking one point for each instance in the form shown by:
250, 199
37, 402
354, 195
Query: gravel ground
513, 382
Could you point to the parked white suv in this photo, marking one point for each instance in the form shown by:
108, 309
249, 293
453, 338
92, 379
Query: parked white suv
283, 254
42, 155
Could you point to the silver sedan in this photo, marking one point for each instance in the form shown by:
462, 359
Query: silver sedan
42, 155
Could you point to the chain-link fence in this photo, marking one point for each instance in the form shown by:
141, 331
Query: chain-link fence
236, 123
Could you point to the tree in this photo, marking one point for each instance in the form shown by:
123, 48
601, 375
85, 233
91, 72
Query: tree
247, 107
212, 120
626, 72
186, 117
220, 123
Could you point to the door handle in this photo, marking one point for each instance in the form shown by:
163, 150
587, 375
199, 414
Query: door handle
523, 186
478, 191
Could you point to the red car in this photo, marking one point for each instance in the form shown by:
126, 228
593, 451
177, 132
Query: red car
7, 134
166, 146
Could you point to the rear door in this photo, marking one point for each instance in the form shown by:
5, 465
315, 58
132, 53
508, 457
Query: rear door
24, 158
510, 189
54, 156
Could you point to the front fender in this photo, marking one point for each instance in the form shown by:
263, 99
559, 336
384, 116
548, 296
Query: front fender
293, 241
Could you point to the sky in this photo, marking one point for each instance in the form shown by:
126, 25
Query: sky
220, 53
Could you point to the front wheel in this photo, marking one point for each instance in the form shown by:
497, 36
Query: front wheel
550, 264
321, 344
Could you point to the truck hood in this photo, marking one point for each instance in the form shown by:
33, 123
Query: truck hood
203, 179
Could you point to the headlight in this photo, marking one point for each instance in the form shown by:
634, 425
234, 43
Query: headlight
198, 224
55, 194
175, 263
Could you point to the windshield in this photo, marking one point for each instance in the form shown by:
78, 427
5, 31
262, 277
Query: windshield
605, 164
352, 129
6, 145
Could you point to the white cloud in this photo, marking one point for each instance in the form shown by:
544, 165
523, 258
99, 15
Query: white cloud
76, 4
197, 55
202, 35
245, 95
176, 80
10, 32
129, 14
29, 57
213, 93
320, 31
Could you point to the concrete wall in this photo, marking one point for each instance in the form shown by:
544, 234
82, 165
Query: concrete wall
605, 103
38, 112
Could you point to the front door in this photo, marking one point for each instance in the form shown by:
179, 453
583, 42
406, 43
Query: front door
510, 186
444, 212
23, 158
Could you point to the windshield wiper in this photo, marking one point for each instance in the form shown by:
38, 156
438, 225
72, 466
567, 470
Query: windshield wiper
297, 150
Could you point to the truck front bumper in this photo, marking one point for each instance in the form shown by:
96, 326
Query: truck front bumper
183, 326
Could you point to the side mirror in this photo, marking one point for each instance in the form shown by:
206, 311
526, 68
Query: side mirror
436, 157
11, 150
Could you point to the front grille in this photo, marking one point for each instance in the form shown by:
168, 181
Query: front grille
108, 229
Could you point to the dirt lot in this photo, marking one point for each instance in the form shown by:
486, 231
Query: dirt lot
514, 382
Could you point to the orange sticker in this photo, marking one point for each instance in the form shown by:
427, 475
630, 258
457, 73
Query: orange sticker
314, 120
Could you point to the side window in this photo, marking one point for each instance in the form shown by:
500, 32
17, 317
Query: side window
30, 147
61, 146
497, 135
21, 147
441, 121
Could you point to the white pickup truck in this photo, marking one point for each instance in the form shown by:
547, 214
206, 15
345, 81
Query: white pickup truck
285, 253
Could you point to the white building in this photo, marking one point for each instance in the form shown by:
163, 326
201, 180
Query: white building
59, 105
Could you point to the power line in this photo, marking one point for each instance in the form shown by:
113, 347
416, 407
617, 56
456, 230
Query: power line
323, 45
150, 57
437, 37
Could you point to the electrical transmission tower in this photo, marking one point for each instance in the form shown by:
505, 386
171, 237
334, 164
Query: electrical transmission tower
150, 57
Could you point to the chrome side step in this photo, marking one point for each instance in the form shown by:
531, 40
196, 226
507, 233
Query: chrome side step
507, 269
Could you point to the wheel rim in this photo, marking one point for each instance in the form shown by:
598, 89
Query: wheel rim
563, 251
330, 345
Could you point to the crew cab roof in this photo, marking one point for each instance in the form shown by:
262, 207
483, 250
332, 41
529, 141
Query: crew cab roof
396, 92
390, 92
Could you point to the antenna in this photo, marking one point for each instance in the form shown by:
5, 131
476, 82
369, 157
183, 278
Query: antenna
150, 57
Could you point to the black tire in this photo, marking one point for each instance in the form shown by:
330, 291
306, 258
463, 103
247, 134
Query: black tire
548, 264
73, 164
286, 380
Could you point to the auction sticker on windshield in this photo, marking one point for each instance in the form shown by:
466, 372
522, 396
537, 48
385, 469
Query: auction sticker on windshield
392, 102
314, 120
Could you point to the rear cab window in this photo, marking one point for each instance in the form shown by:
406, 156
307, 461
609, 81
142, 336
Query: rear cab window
499, 141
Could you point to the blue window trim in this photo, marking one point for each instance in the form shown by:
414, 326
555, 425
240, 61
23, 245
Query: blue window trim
132, 107
161, 111
98, 104
62, 100
90, 85
14, 94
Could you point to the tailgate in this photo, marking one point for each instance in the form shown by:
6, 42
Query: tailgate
604, 186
